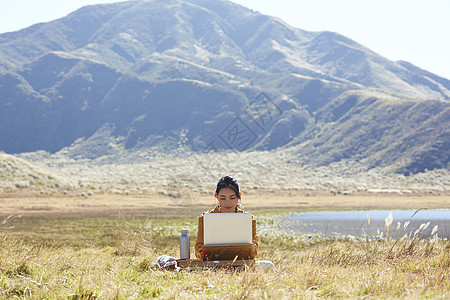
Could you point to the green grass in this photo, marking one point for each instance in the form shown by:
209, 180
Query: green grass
112, 258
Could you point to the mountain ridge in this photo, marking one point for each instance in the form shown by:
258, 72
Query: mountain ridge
159, 68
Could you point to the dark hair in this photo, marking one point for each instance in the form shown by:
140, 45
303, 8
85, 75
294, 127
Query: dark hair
228, 181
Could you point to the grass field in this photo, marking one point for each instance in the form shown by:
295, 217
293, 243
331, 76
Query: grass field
102, 247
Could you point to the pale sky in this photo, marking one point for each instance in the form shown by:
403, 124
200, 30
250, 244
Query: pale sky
417, 31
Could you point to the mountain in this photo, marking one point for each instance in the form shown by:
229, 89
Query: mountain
211, 75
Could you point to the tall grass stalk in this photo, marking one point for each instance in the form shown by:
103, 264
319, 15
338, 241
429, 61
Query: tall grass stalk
118, 268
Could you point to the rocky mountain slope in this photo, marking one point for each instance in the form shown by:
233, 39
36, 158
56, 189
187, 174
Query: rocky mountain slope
211, 75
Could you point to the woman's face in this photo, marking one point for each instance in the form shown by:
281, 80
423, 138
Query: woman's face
228, 200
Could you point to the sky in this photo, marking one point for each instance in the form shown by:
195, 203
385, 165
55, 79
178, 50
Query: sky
417, 31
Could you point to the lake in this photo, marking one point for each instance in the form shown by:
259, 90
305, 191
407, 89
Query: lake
356, 223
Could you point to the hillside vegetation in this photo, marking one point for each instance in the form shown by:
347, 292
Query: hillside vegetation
180, 174
136, 76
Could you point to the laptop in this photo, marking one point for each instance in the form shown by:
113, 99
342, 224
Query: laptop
227, 236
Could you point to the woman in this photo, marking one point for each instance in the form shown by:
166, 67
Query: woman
228, 196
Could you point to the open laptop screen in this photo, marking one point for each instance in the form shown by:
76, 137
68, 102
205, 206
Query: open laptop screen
227, 228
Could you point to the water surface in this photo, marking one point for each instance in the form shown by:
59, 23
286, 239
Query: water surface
369, 222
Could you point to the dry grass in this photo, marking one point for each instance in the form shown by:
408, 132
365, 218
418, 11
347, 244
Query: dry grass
339, 269
113, 261
159, 206
186, 173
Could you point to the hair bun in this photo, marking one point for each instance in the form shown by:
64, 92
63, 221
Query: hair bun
228, 181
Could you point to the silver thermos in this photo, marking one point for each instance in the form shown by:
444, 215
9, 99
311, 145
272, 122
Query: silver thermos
184, 245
